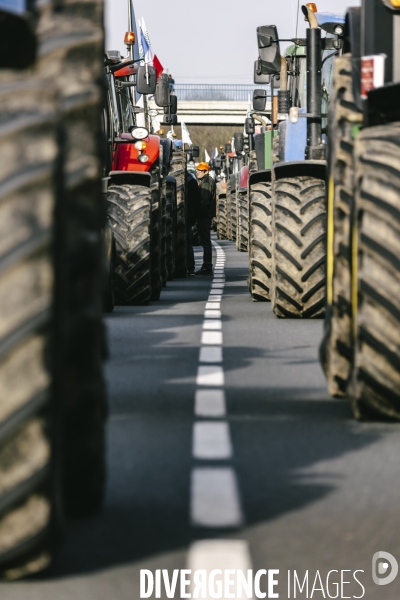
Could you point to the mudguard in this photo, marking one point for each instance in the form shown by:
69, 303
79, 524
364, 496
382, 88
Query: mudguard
353, 45
130, 178
260, 176
125, 155
302, 168
383, 105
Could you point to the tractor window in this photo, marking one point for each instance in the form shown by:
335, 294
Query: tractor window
113, 108
125, 102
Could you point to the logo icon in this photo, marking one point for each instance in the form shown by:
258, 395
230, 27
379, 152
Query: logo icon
381, 561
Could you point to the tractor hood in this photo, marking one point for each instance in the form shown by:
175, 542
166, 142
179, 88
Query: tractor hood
328, 21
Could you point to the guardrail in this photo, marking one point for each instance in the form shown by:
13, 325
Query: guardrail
215, 93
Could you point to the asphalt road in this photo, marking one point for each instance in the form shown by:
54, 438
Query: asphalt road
244, 463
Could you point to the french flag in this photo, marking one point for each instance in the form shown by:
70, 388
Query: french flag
149, 57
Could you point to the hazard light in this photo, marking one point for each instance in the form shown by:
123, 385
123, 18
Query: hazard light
312, 6
129, 39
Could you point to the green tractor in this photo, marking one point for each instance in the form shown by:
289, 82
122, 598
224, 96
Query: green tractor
292, 232
361, 346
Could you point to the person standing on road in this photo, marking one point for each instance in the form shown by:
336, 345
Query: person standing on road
208, 212
193, 203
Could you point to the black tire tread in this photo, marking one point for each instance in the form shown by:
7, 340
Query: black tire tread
129, 211
242, 233
375, 383
297, 246
260, 241
178, 170
336, 347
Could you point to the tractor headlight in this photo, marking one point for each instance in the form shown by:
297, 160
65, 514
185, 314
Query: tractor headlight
139, 133
338, 30
294, 115
143, 158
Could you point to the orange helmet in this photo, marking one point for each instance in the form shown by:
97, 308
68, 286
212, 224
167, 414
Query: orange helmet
203, 167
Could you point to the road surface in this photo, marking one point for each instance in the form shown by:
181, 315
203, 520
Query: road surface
225, 451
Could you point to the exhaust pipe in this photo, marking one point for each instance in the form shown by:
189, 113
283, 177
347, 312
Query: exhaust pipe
283, 94
315, 149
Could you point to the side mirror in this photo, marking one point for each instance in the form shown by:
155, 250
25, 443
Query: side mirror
146, 80
250, 126
217, 162
228, 148
259, 100
196, 151
239, 142
259, 78
162, 94
172, 108
268, 49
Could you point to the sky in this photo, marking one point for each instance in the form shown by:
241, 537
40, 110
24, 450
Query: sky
210, 41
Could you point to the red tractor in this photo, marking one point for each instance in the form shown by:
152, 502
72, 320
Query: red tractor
144, 179
132, 180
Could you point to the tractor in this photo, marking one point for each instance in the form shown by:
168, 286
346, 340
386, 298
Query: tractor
294, 216
52, 345
259, 187
143, 177
227, 202
361, 348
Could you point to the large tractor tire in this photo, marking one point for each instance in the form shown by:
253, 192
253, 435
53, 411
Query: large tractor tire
129, 211
260, 241
222, 217
336, 348
51, 336
170, 197
375, 385
178, 170
298, 248
242, 226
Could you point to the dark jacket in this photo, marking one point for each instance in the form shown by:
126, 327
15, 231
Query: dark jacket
208, 197
193, 200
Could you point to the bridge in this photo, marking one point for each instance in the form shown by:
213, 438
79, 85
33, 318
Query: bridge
207, 104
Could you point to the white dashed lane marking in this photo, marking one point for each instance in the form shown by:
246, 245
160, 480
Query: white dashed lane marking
211, 338
212, 441
213, 324
232, 555
210, 403
213, 305
210, 375
212, 314
210, 354
215, 498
